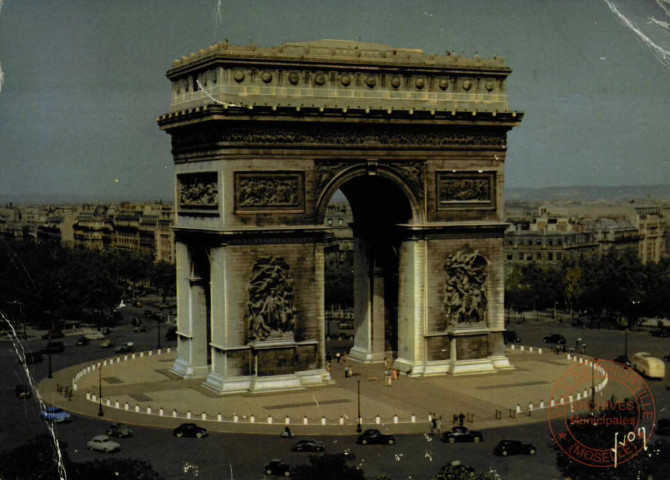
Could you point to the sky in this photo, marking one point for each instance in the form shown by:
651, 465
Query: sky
84, 80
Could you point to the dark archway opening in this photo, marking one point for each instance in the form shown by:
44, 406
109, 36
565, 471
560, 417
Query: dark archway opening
377, 205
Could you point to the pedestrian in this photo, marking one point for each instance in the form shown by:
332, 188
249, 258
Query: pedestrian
337, 356
430, 423
344, 356
395, 374
461, 418
386, 363
433, 426
389, 381
351, 371
346, 373
438, 425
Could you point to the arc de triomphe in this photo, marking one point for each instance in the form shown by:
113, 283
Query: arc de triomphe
263, 137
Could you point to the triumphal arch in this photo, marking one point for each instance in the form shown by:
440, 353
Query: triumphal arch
263, 137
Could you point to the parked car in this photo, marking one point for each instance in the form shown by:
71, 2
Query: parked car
148, 314
462, 434
56, 415
119, 430
137, 303
649, 366
137, 321
308, 445
82, 341
107, 343
23, 391
375, 436
95, 335
32, 357
277, 467
513, 447
141, 328
102, 443
556, 338
190, 430
52, 334
660, 332
53, 347
510, 336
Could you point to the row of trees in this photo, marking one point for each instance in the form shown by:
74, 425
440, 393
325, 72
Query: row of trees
40, 282
614, 286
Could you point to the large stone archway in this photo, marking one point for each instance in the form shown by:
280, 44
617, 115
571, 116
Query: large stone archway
262, 138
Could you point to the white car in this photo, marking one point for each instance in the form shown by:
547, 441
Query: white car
94, 335
102, 443
649, 366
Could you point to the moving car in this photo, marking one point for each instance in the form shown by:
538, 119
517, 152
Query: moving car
375, 436
56, 415
124, 348
623, 359
277, 467
190, 430
510, 336
53, 347
308, 445
119, 430
107, 343
660, 332
556, 338
32, 357
513, 447
102, 443
462, 434
94, 335
82, 341
23, 391
52, 334
649, 366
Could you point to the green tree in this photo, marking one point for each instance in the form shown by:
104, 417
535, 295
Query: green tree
113, 469
457, 471
34, 460
328, 467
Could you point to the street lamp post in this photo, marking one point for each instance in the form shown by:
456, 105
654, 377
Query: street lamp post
593, 384
158, 323
50, 374
100, 413
359, 429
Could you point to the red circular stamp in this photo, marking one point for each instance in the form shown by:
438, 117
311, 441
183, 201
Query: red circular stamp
597, 430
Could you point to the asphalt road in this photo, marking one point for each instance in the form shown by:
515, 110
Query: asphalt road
228, 456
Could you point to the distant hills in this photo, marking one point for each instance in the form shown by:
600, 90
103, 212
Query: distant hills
580, 193
586, 193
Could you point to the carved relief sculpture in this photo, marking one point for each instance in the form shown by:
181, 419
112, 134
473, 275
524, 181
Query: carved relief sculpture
465, 189
270, 301
259, 191
464, 289
198, 190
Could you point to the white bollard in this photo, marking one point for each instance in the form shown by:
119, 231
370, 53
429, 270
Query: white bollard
126, 407
252, 419
269, 419
174, 413
150, 352
323, 420
141, 354
541, 403
88, 396
188, 414
132, 356
161, 412
149, 410
235, 418
395, 419
552, 403
116, 404
530, 349
203, 416
287, 421
341, 420
137, 408
305, 421
521, 348
219, 418
93, 398
413, 418
518, 408
378, 420
539, 350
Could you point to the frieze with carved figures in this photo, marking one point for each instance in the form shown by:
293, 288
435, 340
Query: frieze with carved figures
198, 190
465, 189
258, 191
465, 288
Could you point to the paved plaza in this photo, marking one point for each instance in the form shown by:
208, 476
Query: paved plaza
132, 387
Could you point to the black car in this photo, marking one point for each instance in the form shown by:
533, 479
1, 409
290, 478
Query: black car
510, 336
308, 445
623, 360
375, 436
82, 341
663, 426
52, 334
190, 430
53, 347
556, 338
513, 447
32, 357
119, 430
23, 391
171, 333
462, 434
277, 467
660, 332
137, 322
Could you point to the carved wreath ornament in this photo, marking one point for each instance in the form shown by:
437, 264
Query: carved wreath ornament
270, 301
464, 289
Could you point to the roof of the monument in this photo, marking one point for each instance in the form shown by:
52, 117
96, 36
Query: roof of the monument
336, 51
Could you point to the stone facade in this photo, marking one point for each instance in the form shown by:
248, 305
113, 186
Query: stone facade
263, 138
